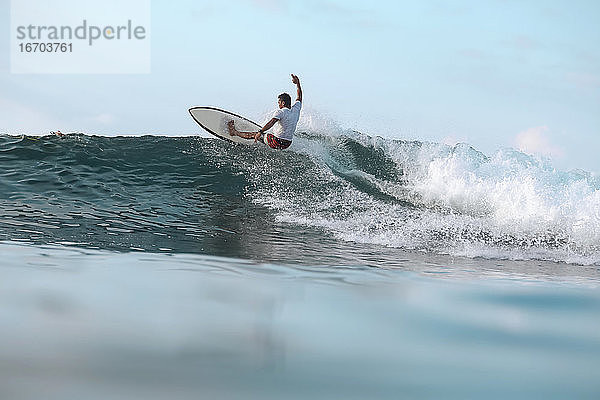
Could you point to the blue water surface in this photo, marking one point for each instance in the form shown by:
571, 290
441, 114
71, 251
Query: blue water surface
94, 324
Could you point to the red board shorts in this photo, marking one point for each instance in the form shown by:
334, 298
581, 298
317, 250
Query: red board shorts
274, 142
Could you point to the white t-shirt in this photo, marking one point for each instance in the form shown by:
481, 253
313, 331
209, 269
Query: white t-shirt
288, 119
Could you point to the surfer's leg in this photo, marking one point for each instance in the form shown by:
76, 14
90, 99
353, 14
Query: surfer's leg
235, 132
247, 135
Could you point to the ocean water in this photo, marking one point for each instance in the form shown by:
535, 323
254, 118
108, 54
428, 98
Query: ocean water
348, 266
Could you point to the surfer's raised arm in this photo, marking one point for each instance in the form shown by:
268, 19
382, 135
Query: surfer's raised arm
296, 81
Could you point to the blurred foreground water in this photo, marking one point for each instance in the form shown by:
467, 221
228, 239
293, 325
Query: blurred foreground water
94, 324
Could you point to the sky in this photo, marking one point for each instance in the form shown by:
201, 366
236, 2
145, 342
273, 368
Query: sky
493, 74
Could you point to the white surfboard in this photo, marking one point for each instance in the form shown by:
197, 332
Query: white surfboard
214, 121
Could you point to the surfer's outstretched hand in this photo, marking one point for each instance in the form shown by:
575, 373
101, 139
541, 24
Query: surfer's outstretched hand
257, 136
296, 81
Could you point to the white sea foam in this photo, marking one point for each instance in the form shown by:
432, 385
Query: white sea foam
509, 205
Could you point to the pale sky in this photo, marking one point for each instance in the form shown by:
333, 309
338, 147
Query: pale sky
494, 74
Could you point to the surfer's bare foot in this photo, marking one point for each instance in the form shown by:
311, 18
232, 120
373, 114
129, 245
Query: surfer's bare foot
232, 130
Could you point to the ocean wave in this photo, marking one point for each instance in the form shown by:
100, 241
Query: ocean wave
154, 192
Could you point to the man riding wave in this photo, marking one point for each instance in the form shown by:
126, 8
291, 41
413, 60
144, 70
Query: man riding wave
284, 120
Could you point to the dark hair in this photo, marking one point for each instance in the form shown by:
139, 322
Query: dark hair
287, 100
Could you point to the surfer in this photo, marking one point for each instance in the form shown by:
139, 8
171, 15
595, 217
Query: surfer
284, 119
